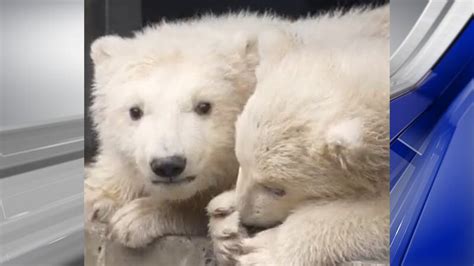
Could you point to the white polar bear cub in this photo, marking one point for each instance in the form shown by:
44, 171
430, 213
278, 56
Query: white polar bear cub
165, 104
312, 143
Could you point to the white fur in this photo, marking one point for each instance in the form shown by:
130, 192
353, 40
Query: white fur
346, 133
166, 70
312, 143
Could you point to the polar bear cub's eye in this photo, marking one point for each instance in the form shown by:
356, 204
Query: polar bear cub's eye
135, 113
275, 191
203, 108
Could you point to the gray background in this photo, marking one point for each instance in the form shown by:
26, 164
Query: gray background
41, 132
41, 61
403, 15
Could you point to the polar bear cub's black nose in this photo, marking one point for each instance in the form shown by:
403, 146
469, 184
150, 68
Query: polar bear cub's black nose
168, 166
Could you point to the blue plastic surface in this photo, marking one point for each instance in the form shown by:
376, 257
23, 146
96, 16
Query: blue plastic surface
444, 234
432, 164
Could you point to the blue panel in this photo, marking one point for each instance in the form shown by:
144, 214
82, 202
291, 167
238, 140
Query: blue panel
400, 157
429, 127
408, 195
445, 231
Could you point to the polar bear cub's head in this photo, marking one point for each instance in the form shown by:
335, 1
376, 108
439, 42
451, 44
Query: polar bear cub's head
316, 128
165, 103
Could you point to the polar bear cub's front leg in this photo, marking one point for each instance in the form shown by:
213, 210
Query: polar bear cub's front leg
98, 204
225, 229
137, 223
107, 187
143, 220
323, 234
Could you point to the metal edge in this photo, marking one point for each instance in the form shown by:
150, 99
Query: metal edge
26, 139
416, 37
47, 144
422, 61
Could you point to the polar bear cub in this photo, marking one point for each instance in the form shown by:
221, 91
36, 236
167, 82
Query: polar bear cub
312, 144
165, 104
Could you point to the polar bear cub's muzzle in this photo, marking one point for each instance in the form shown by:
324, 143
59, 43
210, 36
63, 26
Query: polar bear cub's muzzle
168, 170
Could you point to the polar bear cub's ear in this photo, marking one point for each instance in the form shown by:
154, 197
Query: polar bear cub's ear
246, 43
344, 141
105, 47
273, 45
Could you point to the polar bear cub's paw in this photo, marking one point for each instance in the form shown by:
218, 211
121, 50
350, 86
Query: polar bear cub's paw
222, 205
259, 249
225, 229
136, 224
98, 206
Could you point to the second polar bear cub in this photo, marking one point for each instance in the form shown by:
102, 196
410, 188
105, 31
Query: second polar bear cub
312, 143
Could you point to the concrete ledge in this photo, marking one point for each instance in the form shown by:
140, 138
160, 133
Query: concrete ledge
167, 251
171, 250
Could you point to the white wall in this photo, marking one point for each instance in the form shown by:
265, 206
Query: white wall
41, 57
